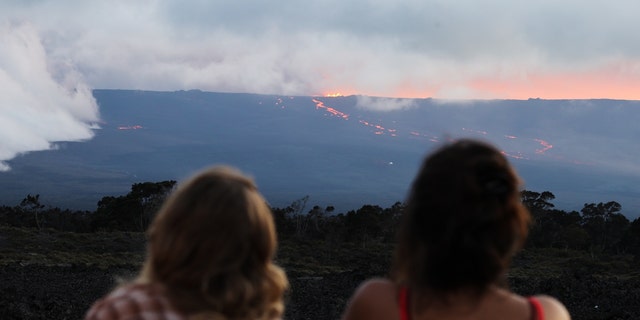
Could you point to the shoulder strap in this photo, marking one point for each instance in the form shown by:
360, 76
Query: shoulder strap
537, 313
403, 303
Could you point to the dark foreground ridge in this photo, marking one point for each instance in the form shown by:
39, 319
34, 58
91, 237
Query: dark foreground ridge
66, 292
54, 264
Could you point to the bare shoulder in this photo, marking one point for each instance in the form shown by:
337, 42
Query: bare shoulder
553, 309
373, 299
377, 288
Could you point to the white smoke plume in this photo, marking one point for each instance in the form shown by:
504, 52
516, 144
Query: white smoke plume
42, 101
384, 104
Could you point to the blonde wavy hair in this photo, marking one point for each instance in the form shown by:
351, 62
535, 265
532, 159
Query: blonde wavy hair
212, 246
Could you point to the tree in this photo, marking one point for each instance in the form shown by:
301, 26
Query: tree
536, 201
284, 225
604, 223
574, 237
630, 241
544, 229
117, 213
364, 223
134, 211
31, 205
390, 221
335, 230
291, 220
568, 231
296, 212
150, 196
317, 219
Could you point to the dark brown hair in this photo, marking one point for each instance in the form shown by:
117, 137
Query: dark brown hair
211, 246
463, 222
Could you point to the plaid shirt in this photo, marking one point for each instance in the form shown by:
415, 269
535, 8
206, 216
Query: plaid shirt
134, 302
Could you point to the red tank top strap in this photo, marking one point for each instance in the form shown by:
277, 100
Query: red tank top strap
537, 313
403, 303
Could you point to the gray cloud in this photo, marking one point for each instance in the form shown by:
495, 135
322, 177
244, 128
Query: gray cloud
407, 48
367, 46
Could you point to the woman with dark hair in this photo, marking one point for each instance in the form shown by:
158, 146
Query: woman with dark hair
210, 256
463, 223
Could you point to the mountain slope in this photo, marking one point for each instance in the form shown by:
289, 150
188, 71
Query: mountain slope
341, 151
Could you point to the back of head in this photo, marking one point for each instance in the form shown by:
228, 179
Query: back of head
212, 244
463, 221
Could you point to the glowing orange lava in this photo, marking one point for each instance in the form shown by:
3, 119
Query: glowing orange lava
540, 148
545, 146
320, 105
379, 130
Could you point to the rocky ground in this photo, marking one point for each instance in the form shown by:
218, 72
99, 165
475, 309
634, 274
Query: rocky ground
65, 292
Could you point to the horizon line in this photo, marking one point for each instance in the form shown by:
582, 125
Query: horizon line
338, 95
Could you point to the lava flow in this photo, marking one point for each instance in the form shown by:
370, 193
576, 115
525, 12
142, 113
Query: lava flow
545, 146
541, 148
320, 105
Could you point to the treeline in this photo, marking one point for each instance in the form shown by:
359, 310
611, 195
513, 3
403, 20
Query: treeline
597, 227
131, 212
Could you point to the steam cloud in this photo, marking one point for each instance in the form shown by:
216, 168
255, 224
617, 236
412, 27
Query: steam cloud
42, 101
384, 104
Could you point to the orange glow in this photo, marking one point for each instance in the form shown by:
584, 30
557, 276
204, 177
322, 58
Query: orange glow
333, 95
614, 82
411, 89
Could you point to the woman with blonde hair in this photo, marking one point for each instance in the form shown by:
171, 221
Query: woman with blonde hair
209, 256
463, 223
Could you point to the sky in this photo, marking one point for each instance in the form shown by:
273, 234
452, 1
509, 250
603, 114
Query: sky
53, 52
